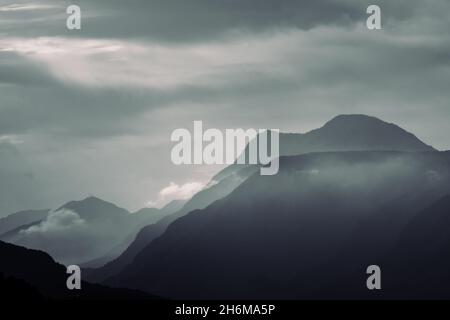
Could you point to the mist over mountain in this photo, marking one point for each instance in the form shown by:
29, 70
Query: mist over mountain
143, 217
15, 220
146, 235
354, 132
290, 241
109, 109
352, 193
342, 133
91, 231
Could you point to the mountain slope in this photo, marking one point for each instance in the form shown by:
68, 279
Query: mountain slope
147, 234
15, 220
77, 231
354, 132
292, 234
342, 133
421, 258
141, 218
94, 209
35, 275
91, 230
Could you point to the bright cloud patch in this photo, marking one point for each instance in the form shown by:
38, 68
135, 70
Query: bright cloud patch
118, 63
24, 7
10, 139
176, 192
56, 221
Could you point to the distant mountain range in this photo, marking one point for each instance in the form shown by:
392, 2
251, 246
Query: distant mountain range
355, 192
215, 191
91, 231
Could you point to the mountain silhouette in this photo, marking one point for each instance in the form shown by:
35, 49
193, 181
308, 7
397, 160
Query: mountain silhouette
90, 231
143, 217
357, 191
93, 208
354, 132
342, 133
150, 232
34, 275
420, 259
302, 233
21, 218
12, 234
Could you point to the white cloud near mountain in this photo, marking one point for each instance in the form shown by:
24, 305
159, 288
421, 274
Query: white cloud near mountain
175, 191
59, 230
57, 221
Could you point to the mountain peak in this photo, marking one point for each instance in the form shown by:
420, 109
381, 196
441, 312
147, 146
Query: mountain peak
349, 132
354, 118
363, 132
92, 198
93, 206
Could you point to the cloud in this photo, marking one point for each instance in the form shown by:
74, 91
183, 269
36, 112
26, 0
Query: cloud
10, 139
184, 20
68, 238
187, 21
25, 7
176, 192
64, 235
57, 221
101, 63
97, 107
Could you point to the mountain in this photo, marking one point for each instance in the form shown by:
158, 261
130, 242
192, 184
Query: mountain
342, 133
142, 217
18, 219
355, 132
146, 235
33, 275
77, 231
308, 232
174, 206
95, 209
420, 260
352, 133
91, 231
12, 234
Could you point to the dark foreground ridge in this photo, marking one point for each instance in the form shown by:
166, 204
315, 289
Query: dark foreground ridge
31, 274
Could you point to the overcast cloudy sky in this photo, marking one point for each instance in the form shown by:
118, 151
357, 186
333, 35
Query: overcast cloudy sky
91, 111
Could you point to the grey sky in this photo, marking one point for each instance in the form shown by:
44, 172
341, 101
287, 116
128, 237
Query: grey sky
91, 111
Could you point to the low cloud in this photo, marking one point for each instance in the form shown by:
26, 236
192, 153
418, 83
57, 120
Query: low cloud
176, 192
64, 235
57, 221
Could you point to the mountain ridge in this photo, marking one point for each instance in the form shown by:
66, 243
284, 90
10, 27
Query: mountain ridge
282, 235
290, 144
